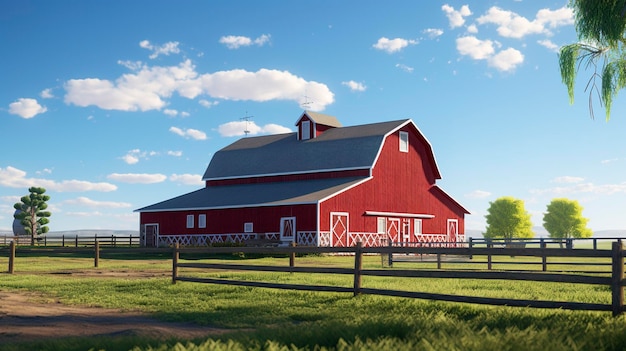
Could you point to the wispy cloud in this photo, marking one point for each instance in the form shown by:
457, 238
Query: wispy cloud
237, 41
137, 178
87, 202
393, 45
478, 194
354, 86
187, 179
239, 128
15, 178
189, 133
165, 49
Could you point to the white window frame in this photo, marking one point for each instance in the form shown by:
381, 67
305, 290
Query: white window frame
190, 221
248, 227
306, 130
381, 225
417, 226
404, 141
201, 221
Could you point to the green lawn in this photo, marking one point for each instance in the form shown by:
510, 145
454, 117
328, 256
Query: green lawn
297, 320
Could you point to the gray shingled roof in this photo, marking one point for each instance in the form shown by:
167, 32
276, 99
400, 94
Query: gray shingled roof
342, 148
260, 194
321, 118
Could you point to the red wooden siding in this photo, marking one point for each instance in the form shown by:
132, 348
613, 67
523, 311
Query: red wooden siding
401, 183
224, 221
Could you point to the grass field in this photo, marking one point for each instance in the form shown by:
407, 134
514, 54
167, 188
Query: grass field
268, 319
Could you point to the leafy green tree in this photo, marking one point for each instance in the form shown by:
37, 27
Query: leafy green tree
507, 218
31, 212
564, 219
600, 25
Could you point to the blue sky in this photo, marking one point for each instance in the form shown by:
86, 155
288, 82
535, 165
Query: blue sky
115, 105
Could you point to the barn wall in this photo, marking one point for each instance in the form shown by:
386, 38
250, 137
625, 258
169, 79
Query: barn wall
401, 183
221, 221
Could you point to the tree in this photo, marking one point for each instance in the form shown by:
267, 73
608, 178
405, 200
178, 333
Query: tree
600, 25
507, 218
31, 212
564, 219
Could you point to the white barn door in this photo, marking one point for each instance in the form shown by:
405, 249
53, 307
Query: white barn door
338, 229
288, 229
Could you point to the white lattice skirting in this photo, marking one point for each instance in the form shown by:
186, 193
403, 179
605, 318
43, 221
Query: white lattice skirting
304, 239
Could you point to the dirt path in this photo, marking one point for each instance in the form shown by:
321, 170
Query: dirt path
25, 316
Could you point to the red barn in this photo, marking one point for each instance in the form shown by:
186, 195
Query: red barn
325, 185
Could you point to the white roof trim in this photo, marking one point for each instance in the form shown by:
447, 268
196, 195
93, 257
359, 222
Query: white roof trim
270, 204
398, 214
346, 189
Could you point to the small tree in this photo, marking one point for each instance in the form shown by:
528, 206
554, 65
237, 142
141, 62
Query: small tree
507, 218
564, 219
32, 215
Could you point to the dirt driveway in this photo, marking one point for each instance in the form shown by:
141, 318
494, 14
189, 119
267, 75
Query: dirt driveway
28, 316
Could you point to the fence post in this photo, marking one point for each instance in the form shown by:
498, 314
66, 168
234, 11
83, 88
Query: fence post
11, 256
63, 240
114, 240
544, 258
489, 246
358, 266
471, 243
96, 259
617, 286
595, 243
292, 256
438, 261
390, 257
76, 241
175, 263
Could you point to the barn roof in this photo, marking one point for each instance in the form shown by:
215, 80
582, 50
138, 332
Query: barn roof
337, 149
259, 194
321, 118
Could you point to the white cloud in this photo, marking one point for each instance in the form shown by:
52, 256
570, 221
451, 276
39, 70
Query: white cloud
170, 112
26, 108
15, 178
137, 178
165, 49
84, 201
512, 25
134, 156
354, 86
393, 45
432, 33
404, 67
207, 103
478, 194
567, 179
506, 60
147, 88
189, 133
475, 48
236, 41
175, 153
238, 128
455, 17
548, 44
472, 29
187, 179
46, 94
605, 189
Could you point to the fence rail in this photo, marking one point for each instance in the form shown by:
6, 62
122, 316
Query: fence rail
615, 280
74, 240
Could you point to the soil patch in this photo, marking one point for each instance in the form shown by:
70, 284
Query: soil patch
28, 316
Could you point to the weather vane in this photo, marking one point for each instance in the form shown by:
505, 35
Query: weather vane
305, 105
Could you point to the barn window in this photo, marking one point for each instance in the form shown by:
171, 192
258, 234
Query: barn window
417, 227
404, 141
306, 130
189, 221
248, 227
202, 221
381, 225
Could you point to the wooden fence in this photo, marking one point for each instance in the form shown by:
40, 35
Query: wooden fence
75, 240
615, 256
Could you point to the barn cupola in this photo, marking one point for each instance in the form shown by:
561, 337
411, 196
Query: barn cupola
311, 124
